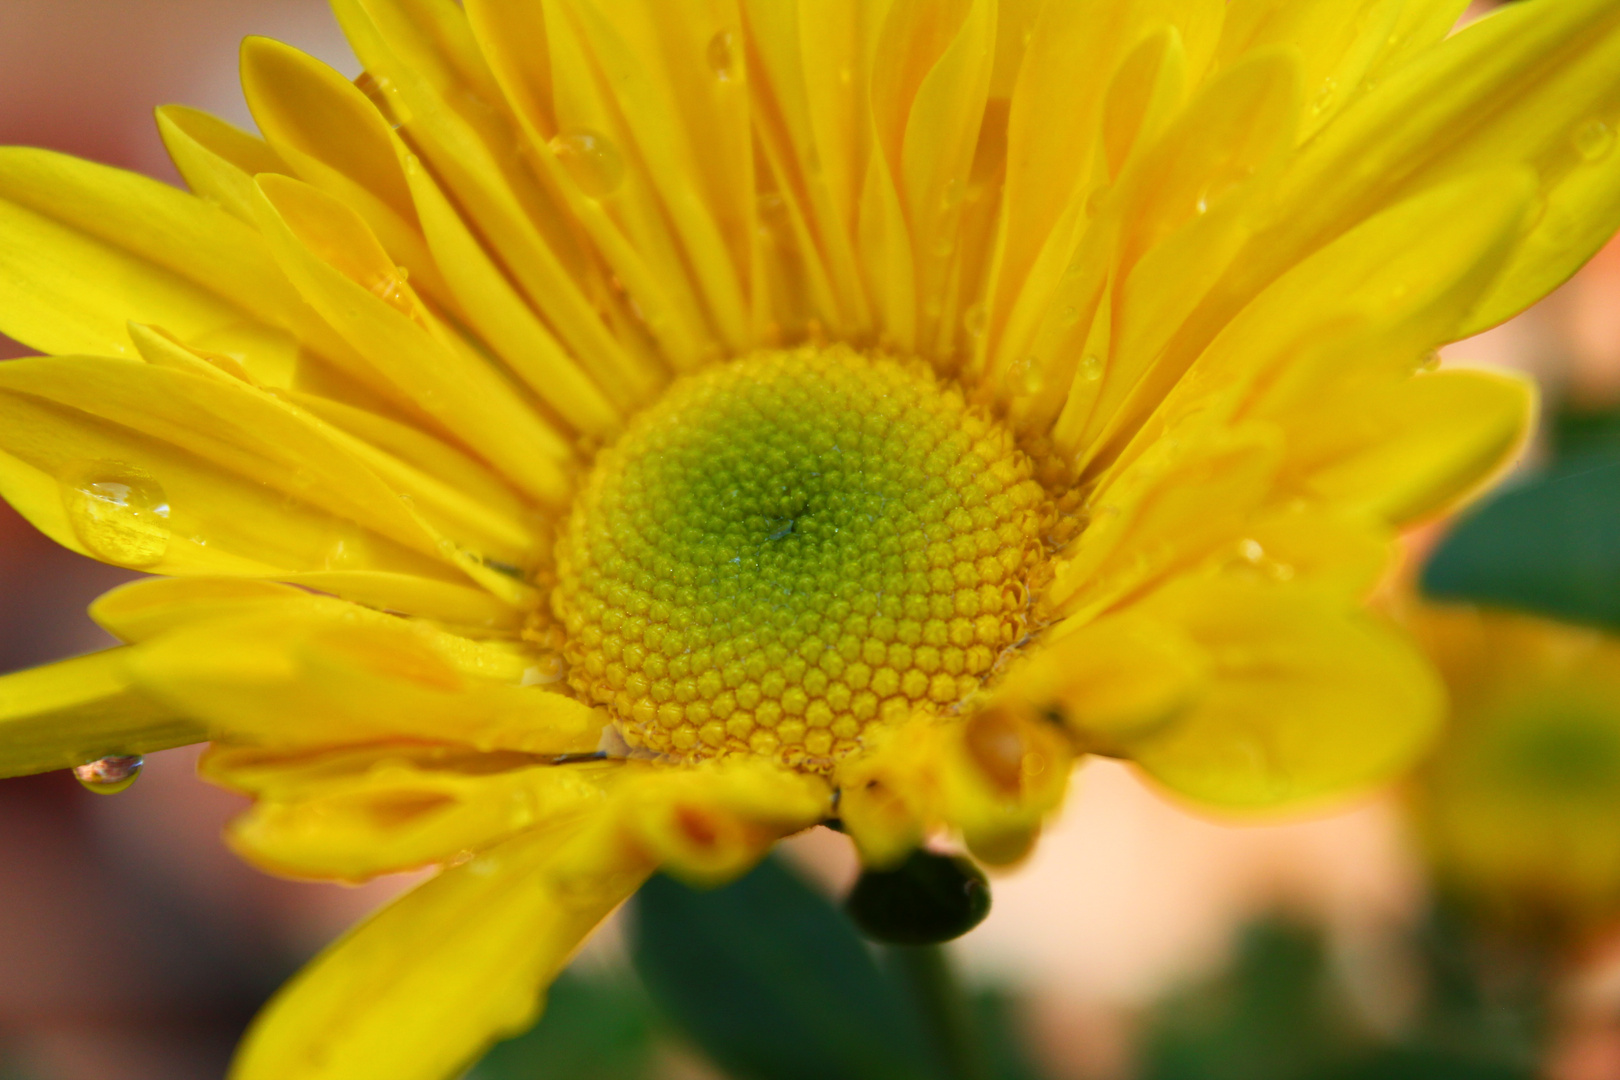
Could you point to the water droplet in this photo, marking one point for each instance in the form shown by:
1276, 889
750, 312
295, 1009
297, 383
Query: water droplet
1593, 140
1091, 368
723, 56
1095, 200
546, 669
976, 320
1034, 376
109, 775
953, 194
1430, 362
592, 161
1324, 97
1025, 375
1069, 315
1251, 550
391, 289
348, 549
118, 512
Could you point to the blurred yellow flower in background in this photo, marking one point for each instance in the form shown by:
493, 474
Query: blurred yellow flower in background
1518, 804
617, 435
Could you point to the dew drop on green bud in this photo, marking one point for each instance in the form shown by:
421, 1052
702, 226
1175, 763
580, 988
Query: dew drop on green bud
109, 775
928, 899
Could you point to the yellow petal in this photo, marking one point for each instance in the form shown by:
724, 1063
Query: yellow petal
121, 496
147, 609
475, 155
888, 796
65, 714
711, 822
262, 440
1523, 85
1342, 43
353, 814
339, 267
333, 138
1004, 772
84, 249
1307, 698
1185, 207
656, 100
1418, 448
278, 680
218, 160
1184, 498
992, 776
1365, 310
422, 987
1106, 680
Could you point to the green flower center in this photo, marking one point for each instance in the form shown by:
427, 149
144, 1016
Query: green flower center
792, 547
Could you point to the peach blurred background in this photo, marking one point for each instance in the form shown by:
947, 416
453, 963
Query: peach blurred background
134, 947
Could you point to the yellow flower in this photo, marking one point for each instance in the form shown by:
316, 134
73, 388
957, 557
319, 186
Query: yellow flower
616, 435
1517, 805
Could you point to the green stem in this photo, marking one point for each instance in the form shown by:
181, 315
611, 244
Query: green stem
946, 1013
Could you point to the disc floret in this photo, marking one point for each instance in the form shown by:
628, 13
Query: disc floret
791, 548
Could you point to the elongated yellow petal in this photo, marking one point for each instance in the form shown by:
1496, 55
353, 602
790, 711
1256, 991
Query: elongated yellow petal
353, 814
632, 65
576, 140
419, 989
497, 310
1342, 43
218, 160
1529, 85
993, 777
147, 609
711, 822
280, 680
248, 433
1185, 208
1419, 448
122, 497
1108, 679
425, 452
1367, 309
333, 138
68, 713
480, 167
1182, 500
86, 249
1306, 698
342, 271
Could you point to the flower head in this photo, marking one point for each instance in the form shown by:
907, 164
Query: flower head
1516, 805
617, 435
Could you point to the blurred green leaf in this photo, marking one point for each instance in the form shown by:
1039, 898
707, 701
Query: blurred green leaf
772, 981
1574, 432
1425, 1063
1006, 1047
594, 1028
1549, 545
1272, 1016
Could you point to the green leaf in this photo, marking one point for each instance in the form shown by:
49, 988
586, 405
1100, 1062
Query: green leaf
594, 1028
1006, 1045
771, 981
1550, 545
1571, 432
1274, 1015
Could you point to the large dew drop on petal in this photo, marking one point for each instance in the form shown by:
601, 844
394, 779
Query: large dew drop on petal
119, 513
